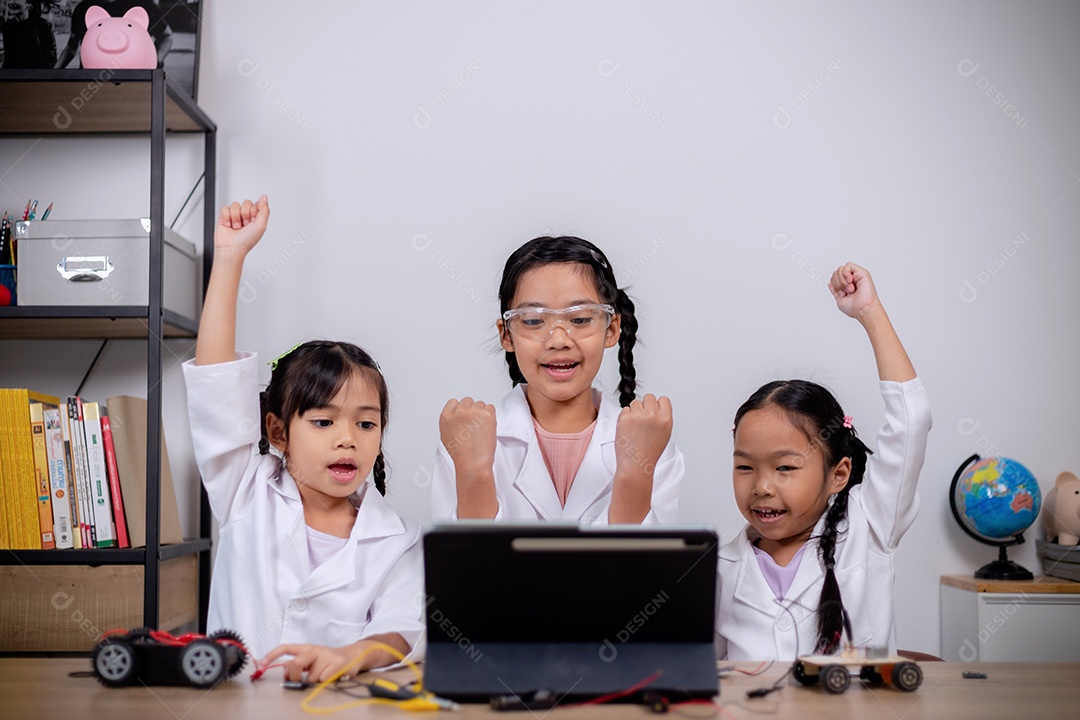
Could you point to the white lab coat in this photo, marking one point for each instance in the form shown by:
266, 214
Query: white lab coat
523, 485
753, 625
262, 587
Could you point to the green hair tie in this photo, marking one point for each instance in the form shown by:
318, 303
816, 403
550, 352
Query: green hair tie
274, 363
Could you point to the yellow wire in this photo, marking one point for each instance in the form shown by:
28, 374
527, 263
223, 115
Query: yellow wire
375, 645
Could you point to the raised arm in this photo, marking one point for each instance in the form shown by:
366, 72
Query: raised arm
239, 228
856, 296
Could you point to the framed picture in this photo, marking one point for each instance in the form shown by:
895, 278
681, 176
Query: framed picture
48, 33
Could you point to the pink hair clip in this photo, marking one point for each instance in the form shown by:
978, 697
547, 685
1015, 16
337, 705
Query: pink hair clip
847, 421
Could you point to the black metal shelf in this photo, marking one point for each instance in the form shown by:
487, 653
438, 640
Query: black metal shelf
119, 102
167, 552
101, 556
89, 321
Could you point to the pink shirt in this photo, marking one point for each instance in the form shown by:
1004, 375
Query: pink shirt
563, 453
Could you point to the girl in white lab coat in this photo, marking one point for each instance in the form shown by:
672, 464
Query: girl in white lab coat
312, 561
825, 517
555, 448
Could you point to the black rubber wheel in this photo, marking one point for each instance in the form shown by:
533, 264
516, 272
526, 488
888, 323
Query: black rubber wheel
907, 676
235, 657
202, 663
835, 678
113, 661
799, 672
139, 635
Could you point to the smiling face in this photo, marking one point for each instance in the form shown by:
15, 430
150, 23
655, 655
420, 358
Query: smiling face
782, 481
330, 450
558, 368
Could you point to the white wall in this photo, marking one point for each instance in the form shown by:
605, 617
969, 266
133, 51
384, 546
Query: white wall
727, 156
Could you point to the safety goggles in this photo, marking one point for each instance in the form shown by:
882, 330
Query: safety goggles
579, 321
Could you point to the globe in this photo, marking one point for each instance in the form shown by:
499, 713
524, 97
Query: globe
994, 500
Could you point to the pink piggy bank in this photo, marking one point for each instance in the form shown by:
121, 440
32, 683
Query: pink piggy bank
1061, 510
122, 42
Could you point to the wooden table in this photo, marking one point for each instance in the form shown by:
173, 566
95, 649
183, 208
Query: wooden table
41, 688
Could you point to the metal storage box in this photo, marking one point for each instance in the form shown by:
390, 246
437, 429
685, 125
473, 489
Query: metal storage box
102, 262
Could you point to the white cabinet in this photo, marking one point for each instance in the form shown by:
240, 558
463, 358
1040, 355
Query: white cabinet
1009, 620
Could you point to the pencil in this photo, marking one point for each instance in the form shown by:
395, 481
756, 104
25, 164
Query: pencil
45, 215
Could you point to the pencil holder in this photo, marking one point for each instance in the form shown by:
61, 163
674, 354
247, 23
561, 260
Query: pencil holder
7, 280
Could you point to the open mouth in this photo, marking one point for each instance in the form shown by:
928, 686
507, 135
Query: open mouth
769, 514
343, 471
560, 368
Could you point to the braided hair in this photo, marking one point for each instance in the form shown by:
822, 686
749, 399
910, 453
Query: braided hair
574, 250
815, 411
310, 375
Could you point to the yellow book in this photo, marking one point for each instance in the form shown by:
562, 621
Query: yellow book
11, 535
7, 522
41, 475
23, 483
17, 481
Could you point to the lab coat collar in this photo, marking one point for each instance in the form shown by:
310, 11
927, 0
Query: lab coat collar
375, 519
515, 421
750, 585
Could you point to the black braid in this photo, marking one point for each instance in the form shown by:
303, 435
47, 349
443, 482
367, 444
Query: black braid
831, 606
831, 620
378, 471
624, 306
515, 371
264, 441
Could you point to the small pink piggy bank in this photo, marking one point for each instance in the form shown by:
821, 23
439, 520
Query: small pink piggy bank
122, 42
1061, 510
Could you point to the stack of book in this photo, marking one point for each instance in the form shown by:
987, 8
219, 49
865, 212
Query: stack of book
73, 473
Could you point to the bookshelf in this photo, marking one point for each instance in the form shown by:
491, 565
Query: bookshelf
140, 103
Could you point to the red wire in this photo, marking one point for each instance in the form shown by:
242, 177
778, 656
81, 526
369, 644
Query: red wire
755, 671
621, 693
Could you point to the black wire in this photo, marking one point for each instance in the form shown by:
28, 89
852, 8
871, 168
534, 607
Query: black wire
91, 368
762, 692
173, 223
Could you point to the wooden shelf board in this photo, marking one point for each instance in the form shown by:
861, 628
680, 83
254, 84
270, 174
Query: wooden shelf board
1044, 584
90, 101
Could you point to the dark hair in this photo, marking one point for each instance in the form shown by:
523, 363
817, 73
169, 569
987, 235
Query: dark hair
310, 375
574, 250
815, 411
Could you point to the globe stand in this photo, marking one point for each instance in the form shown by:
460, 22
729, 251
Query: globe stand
1003, 568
